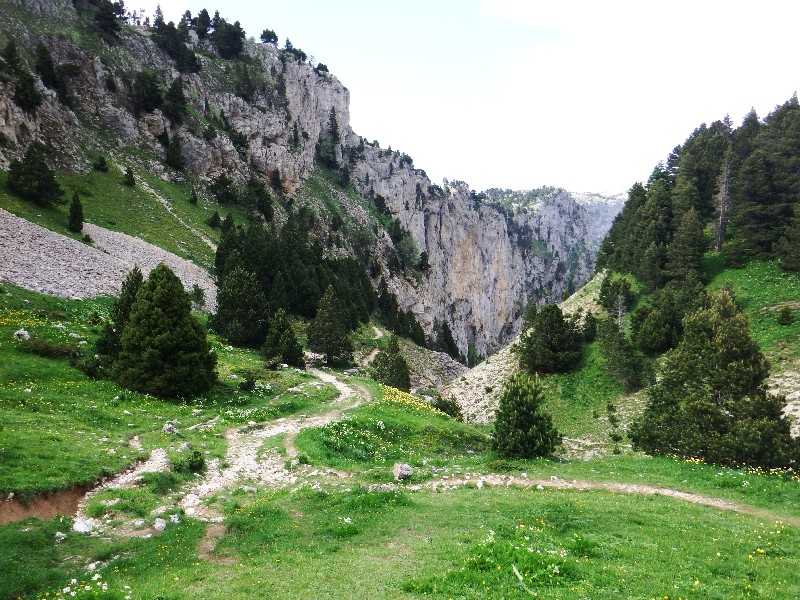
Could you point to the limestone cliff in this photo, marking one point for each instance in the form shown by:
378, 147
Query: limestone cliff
268, 115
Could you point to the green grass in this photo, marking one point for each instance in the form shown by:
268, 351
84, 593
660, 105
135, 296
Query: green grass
461, 543
759, 287
111, 205
397, 427
577, 399
60, 428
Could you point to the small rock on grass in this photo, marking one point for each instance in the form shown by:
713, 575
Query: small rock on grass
402, 471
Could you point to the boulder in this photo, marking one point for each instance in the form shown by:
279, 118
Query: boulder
21, 334
402, 471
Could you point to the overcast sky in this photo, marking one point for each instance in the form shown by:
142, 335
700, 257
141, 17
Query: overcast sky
588, 95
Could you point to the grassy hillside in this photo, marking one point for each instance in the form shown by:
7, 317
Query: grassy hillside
444, 533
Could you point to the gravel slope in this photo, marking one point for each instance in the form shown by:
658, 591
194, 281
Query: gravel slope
44, 261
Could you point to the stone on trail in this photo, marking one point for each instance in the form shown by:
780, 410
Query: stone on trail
402, 471
83, 525
159, 524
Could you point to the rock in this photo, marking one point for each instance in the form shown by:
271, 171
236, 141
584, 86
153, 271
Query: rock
249, 489
60, 536
83, 525
169, 428
175, 518
402, 471
75, 336
159, 524
21, 334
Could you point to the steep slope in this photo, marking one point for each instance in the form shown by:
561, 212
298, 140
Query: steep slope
269, 114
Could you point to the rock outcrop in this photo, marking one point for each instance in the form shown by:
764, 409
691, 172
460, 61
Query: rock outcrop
268, 116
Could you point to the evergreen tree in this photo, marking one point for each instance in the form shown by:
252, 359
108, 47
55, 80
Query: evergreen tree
521, 428
390, 368
26, 96
13, 62
530, 315
164, 349
203, 24
327, 333
788, 247
685, 252
33, 178
175, 104
75, 214
108, 343
174, 153
281, 344
146, 92
241, 309
222, 189
445, 341
552, 345
129, 179
228, 39
711, 402
106, 18
627, 365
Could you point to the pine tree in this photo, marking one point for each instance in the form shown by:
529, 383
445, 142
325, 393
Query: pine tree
174, 154
108, 343
551, 345
129, 179
390, 368
521, 428
164, 349
327, 333
711, 402
175, 101
75, 214
241, 309
685, 252
281, 344
788, 247
26, 96
33, 178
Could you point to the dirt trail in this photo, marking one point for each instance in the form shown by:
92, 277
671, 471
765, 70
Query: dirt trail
496, 480
242, 458
374, 352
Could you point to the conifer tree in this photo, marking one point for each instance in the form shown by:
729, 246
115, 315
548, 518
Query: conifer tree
521, 428
164, 349
711, 402
241, 309
390, 368
685, 252
551, 345
129, 179
174, 154
108, 343
75, 214
327, 333
281, 344
175, 101
33, 178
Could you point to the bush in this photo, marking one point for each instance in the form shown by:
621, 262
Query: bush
785, 316
191, 461
522, 429
449, 407
49, 349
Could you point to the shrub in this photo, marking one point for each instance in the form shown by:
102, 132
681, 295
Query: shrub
49, 349
522, 429
449, 407
191, 461
785, 316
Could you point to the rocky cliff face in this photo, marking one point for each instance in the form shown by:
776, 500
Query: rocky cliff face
485, 263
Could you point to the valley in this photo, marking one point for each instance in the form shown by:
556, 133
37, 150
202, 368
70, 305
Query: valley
351, 332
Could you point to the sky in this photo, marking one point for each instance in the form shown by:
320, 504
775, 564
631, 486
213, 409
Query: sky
588, 95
